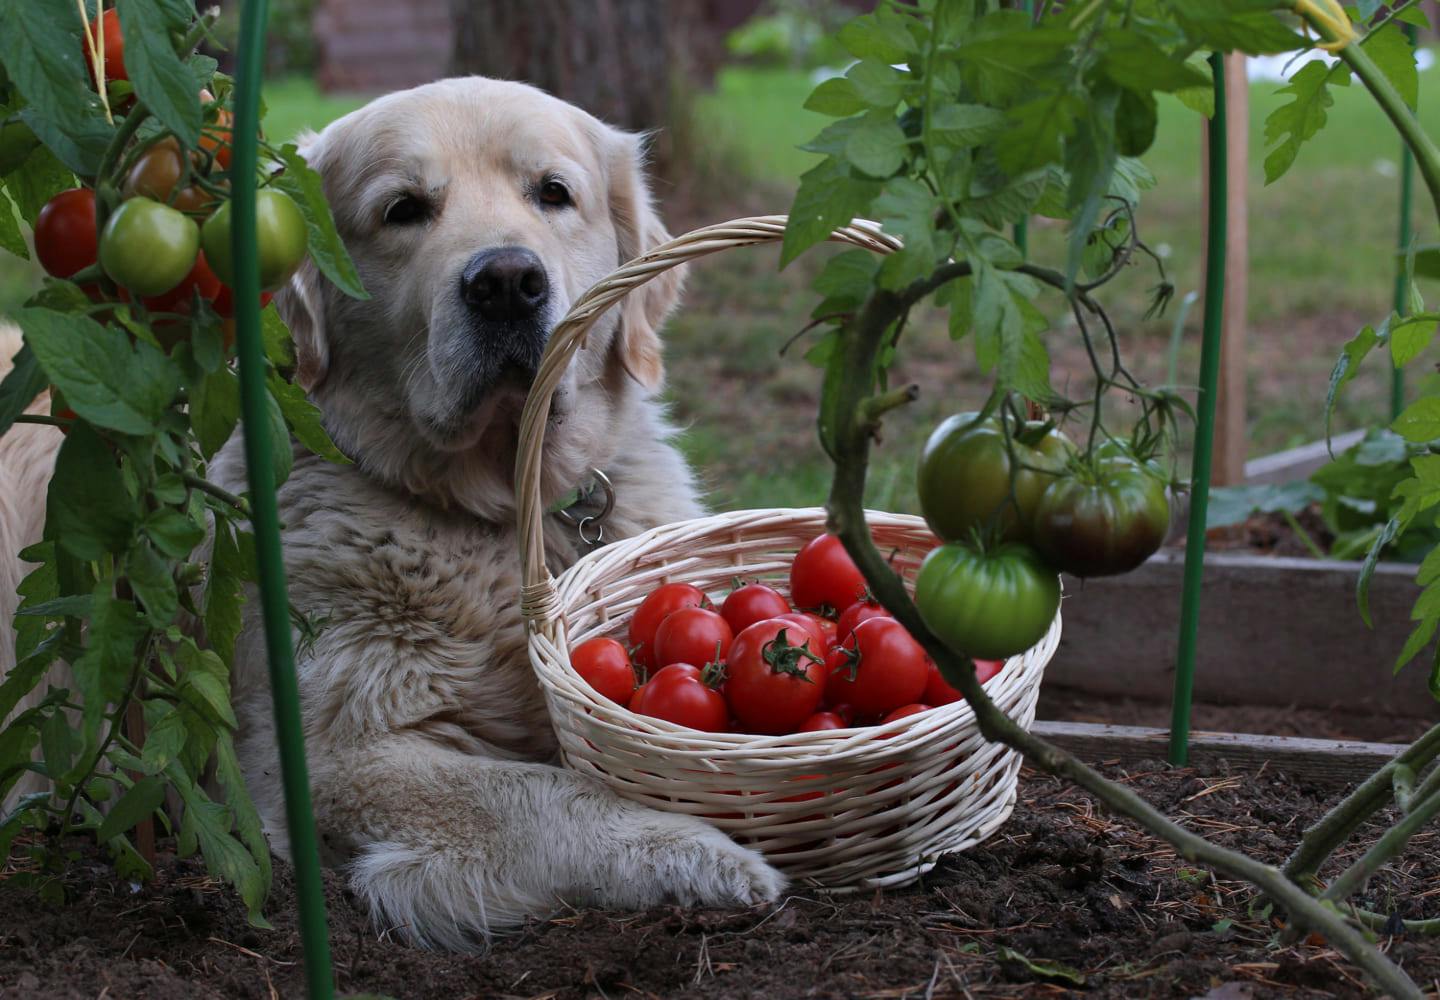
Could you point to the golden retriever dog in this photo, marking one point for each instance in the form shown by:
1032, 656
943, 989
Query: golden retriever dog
476, 211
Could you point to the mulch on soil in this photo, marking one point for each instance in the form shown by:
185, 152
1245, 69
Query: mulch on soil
1064, 900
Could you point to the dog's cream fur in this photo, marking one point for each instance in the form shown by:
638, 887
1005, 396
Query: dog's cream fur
430, 750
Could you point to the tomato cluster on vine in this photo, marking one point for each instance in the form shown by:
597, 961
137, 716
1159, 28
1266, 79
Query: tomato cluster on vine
826, 657
160, 233
1015, 508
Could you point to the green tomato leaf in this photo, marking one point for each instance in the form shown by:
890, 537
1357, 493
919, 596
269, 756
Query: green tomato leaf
1420, 421
215, 410
103, 672
877, 146
1367, 569
1347, 366
879, 85
89, 510
11, 239
41, 50
104, 379
1136, 120
22, 383
327, 249
164, 735
835, 97
58, 747
1417, 640
279, 348
40, 178
173, 533
1223, 25
304, 420
135, 806
161, 80
1409, 336
282, 449
1038, 129
828, 197
154, 584
1292, 124
965, 125
882, 35
1392, 52
1136, 63
1006, 57
224, 595
247, 820
208, 824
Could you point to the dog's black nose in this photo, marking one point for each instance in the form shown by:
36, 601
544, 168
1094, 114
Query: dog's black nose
506, 283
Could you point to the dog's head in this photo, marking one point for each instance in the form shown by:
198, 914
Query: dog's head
476, 211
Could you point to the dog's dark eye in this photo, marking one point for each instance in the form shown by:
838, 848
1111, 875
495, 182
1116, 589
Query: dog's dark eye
554, 193
406, 210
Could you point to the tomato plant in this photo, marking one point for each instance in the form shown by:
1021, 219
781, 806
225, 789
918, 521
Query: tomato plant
992, 603
659, 604
876, 668
605, 665
824, 576
776, 676
142, 552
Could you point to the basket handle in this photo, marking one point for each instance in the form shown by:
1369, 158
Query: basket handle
537, 594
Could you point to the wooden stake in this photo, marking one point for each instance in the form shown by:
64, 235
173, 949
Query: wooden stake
1230, 425
145, 829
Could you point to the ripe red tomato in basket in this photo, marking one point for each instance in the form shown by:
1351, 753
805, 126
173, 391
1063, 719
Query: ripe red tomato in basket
811, 624
694, 636
821, 721
906, 710
860, 611
662, 602
678, 693
823, 575
606, 667
754, 602
937, 692
877, 668
776, 676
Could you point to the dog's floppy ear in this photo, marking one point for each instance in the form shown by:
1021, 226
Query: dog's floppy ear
639, 229
301, 304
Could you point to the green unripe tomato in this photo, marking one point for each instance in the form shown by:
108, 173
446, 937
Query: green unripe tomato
148, 248
965, 480
280, 239
1103, 520
16, 142
992, 604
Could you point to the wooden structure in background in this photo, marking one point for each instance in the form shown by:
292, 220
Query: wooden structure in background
1231, 439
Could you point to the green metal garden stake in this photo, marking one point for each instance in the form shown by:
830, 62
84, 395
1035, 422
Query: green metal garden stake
1205, 429
1401, 299
265, 521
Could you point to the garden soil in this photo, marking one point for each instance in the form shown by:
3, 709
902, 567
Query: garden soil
1063, 901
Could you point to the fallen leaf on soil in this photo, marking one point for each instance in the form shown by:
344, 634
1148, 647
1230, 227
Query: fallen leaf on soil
1042, 967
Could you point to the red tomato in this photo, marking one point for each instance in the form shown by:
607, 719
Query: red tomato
224, 304
178, 299
825, 625
856, 613
877, 668
662, 602
752, 603
808, 623
776, 676
65, 237
846, 712
678, 694
114, 46
821, 721
694, 636
605, 666
823, 575
937, 692
905, 710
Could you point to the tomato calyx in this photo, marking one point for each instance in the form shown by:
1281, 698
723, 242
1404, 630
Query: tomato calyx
784, 658
714, 674
851, 656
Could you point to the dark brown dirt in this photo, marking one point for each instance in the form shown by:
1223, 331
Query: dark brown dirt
1094, 908
1272, 535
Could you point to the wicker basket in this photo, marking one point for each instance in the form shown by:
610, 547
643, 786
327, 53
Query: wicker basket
850, 808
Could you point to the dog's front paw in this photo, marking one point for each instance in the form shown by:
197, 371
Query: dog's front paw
677, 859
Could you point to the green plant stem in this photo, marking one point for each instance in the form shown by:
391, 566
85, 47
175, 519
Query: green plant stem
848, 383
36, 418
1403, 782
1305, 537
1321, 840
1373, 921
218, 492
1425, 807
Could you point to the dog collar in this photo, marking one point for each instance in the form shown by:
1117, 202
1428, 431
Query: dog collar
586, 507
